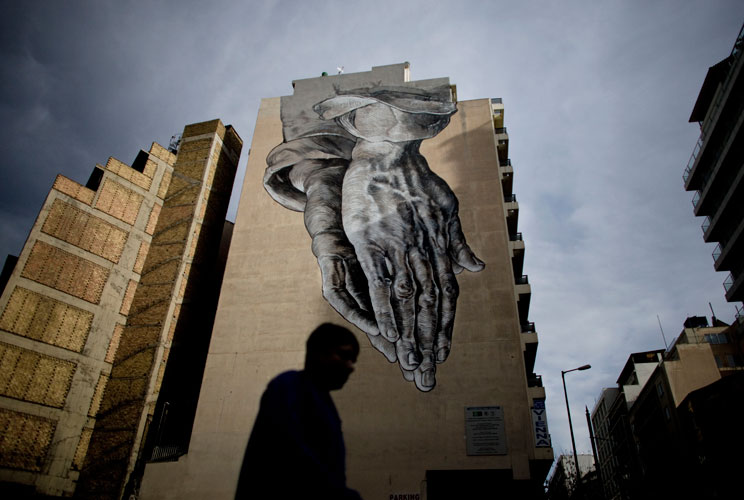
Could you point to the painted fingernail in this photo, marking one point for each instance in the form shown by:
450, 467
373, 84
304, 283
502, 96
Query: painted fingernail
391, 334
413, 359
442, 354
428, 379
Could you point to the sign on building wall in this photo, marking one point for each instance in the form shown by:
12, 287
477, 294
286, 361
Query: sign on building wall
484, 430
540, 424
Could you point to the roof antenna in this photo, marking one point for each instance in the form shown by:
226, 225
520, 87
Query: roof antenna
340, 69
666, 347
713, 318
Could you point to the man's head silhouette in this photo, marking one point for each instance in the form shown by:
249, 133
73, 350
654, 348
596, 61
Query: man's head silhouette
331, 353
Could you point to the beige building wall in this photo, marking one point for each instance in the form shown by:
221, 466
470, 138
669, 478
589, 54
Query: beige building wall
271, 299
62, 312
694, 369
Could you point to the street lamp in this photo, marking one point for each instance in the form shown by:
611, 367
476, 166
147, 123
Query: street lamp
570, 425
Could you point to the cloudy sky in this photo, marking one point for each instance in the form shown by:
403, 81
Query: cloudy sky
597, 98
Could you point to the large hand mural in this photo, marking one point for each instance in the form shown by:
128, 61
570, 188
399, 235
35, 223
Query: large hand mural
384, 227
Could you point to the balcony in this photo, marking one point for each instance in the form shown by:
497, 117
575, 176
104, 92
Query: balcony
524, 293
507, 178
511, 209
534, 380
528, 327
716, 110
730, 247
734, 286
502, 141
516, 250
529, 350
515, 237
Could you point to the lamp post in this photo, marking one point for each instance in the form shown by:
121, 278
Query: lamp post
570, 425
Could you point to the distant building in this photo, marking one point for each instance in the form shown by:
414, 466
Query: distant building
562, 484
694, 362
613, 433
117, 279
646, 432
715, 171
479, 429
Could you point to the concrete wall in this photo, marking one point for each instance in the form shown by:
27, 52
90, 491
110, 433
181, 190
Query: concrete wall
695, 368
271, 299
63, 310
185, 242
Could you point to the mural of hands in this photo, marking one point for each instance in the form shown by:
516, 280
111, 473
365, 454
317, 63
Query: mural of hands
402, 220
385, 228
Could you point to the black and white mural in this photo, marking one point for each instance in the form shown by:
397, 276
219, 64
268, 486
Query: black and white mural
384, 227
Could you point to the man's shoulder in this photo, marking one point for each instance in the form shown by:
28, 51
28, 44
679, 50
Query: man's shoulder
291, 378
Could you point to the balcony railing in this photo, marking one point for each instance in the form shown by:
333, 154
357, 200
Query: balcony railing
528, 327
522, 280
696, 199
510, 198
515, 237
717, 252
728, 282
506, 163
693, 157
500, 130
705, 225
496, 100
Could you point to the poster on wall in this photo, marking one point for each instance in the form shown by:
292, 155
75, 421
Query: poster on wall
385, 228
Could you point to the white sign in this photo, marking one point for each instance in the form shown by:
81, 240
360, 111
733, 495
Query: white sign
540, 424
484, 430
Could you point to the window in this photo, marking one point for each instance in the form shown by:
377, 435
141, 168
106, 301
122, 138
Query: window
716, 338
718, 361
667, 414
659, 389
733, 360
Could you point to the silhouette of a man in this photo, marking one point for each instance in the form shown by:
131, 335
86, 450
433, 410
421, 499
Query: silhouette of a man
296, 449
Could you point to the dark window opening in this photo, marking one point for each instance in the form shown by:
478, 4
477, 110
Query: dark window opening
140, 161
95, 179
